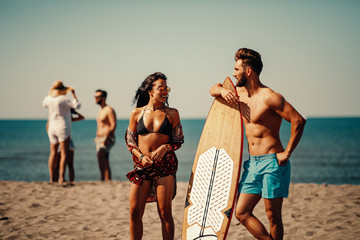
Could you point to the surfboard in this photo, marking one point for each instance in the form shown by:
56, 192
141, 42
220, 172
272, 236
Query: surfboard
215, 173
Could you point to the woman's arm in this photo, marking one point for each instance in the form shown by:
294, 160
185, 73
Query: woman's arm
177, 136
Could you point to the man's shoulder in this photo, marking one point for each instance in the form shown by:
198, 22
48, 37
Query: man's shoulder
265, 91
105, 112
268, 92
272, 97
108, 109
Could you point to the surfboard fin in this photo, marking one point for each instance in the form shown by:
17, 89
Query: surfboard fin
228, 213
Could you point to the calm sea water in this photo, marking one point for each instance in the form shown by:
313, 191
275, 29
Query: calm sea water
329, 151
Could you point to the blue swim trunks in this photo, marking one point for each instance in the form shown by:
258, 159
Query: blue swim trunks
264, 176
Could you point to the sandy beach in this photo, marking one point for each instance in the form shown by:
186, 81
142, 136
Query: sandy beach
96, 210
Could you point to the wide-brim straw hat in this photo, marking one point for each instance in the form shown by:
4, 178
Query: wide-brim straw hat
58, 88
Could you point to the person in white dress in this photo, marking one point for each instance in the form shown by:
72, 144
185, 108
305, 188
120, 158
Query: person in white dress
59, 129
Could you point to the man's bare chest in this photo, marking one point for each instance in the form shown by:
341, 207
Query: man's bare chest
254, 110
102, 117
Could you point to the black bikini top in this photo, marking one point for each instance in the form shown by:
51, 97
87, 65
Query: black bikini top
165, 128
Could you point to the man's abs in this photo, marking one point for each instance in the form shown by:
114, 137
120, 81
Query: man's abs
103, 130
262, 141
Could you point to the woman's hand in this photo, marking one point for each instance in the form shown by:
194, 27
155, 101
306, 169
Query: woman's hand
158, 154
146, 161
71, 89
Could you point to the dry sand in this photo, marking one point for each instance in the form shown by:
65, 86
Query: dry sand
96, 210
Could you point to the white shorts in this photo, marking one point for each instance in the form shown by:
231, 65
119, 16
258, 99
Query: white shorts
56, 136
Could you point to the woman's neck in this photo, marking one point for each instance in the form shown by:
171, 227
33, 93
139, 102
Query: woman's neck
155, 106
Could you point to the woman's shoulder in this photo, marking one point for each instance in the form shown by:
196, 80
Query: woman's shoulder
60, 98
171, 111
173, 115
137, 111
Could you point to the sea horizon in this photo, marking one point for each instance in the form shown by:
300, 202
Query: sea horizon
329, 151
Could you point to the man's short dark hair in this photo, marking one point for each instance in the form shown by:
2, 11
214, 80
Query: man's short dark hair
250, 58
103, 93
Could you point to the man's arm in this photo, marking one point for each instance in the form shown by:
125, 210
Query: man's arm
112, 121
287, 112
215, 90
228, 95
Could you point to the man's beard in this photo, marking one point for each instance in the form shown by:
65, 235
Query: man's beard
242, 81
99, 101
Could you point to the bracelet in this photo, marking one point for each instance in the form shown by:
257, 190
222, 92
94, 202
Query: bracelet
167, 147
141, 157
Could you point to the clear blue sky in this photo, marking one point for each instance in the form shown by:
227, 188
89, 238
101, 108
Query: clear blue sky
310, 51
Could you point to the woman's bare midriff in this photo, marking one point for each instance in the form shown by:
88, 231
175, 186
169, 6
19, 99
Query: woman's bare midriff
150, 142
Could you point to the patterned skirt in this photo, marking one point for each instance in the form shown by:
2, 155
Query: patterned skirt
167, 166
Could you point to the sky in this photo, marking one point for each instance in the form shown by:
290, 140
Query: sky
310, 50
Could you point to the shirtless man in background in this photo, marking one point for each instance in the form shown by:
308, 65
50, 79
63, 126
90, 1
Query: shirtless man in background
105, 133
267, 172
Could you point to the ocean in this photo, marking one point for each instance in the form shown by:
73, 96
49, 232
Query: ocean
329, 151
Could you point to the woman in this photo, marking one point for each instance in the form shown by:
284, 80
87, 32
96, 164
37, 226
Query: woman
75, 117
59, 124
154, 133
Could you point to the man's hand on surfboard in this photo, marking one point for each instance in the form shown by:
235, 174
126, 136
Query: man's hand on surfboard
229, 96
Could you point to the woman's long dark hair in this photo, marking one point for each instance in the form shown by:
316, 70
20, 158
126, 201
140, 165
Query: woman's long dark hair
142, 96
